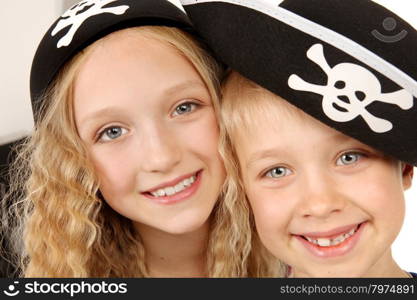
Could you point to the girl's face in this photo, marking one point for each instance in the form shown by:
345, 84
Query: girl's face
147, 120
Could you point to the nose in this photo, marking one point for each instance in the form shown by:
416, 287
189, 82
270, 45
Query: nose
160, 150
321, 196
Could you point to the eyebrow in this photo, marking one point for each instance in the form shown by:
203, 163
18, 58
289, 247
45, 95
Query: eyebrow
262, 154
111, 110
99, 114
189, 84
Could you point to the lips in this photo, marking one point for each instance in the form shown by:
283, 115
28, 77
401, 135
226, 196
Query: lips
175, 190
171, 190
332, 243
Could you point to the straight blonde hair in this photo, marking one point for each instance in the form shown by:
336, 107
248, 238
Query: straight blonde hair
242, 99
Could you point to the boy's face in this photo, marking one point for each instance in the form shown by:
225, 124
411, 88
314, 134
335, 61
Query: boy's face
324, 203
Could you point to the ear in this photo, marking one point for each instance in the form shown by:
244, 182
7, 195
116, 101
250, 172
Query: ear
407, 173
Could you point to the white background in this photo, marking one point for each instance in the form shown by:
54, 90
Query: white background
22, 25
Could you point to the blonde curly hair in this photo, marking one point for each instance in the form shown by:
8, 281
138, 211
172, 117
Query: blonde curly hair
68, 231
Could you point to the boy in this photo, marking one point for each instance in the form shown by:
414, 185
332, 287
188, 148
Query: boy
324, 203
323, 131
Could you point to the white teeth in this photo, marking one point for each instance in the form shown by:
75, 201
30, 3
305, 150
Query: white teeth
179, 187
169, 191
323, 242
338, 240
160, 192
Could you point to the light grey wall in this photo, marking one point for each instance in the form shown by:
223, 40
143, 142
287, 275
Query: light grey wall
22, 24
68, 3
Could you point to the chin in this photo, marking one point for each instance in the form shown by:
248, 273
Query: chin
185, 226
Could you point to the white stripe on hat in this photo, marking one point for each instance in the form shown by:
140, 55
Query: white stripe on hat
272, 9
178, 4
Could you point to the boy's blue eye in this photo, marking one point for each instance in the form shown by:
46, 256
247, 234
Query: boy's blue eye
184, 108
348, 158
111, 133
278, 172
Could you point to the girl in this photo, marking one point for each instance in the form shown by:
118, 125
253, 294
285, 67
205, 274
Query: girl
121, 176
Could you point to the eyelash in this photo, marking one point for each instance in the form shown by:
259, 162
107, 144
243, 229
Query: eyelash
358, 154
101, 134
287, 172
193, 105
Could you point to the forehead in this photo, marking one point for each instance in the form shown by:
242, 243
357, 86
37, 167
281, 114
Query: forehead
278, 124
267, 114
113, 54
129, 65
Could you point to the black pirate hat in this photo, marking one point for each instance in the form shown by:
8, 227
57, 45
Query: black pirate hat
351, 64
88, 21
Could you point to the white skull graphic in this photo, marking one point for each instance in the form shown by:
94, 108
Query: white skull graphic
350, 89
77, 14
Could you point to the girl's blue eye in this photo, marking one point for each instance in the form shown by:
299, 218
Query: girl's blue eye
278, 172
111, 133
184, 108
348, 158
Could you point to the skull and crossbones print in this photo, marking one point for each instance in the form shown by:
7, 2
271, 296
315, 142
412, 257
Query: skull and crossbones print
77, 14
350, 89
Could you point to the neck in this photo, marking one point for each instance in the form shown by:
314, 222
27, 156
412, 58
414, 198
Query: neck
175, 255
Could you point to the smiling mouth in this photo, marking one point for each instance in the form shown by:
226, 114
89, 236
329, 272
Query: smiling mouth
335, 241
175, 189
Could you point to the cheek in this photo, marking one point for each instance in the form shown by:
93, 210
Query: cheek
114, 171
268, 209
385, 203
386, 206
271, 219
381, 196
207, 132
202, 137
